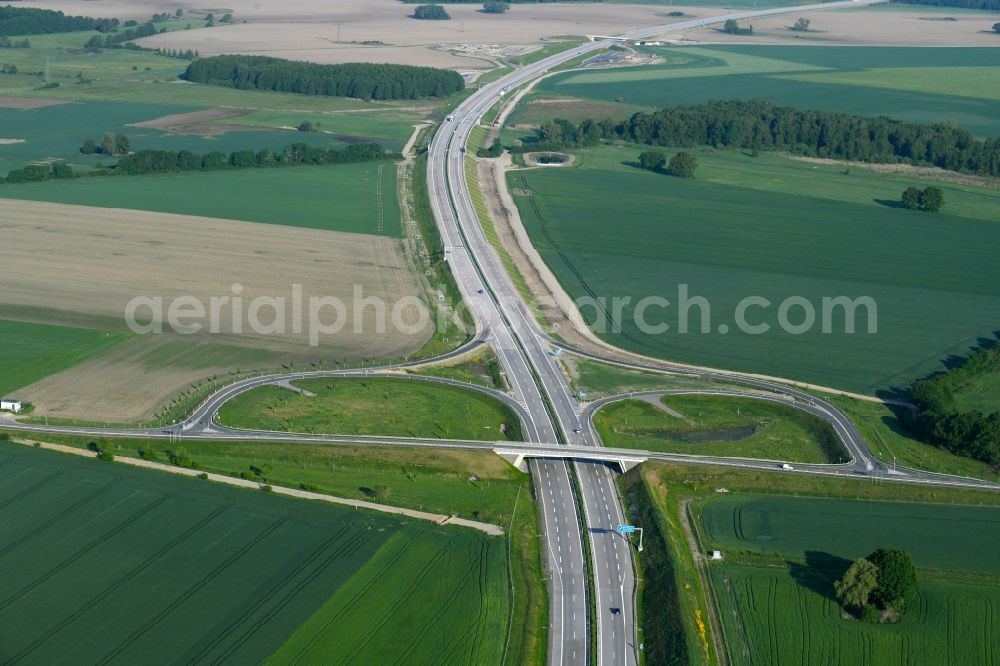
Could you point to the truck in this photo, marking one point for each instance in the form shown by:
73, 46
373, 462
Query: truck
786, 467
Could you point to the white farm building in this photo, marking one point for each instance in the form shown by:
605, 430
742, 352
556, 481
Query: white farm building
9, 405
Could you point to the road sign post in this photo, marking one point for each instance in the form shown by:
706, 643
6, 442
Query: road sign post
629, 529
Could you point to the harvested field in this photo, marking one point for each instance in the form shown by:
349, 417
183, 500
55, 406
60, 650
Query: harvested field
194, 122
335, 31
82, 265
11, 102
871, 27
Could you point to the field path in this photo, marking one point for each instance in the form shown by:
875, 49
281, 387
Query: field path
440, 519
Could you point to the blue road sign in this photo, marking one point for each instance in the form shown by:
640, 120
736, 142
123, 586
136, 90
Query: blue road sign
626, 529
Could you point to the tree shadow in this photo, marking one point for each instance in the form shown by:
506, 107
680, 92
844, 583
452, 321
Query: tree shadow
890, 203
367, 491
819, 572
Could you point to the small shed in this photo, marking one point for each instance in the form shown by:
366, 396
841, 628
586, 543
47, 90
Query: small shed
10, 405
715, 555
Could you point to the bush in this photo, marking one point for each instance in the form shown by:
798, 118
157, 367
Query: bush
431, 13
495, 7
682, 165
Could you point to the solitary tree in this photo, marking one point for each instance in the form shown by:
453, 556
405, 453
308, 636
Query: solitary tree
996, 27
911, 198
931, 199
855, 588
654, 160
380, 493
896, 579
305, 126
732, 27
682, 165
802, 25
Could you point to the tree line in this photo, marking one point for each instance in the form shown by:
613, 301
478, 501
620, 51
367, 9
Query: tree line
757, 125
7, 43
168, 161
31, 21
968, 433
360, 80
128, 35
991, 5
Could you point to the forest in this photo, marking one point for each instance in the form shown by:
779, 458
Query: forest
31, 21
360, 80
756, 125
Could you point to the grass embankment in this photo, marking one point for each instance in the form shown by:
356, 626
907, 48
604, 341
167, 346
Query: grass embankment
455, 325
882, 427
719, 426
236, 572
381, 406
482, 368
752, 234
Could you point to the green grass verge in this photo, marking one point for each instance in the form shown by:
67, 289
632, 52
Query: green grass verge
253, 195
482, 368
885, 435
719, 426
388, 407
812, 232
33, 351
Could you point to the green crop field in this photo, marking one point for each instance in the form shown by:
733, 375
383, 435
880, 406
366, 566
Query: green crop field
32, 351
106, 563
779, 617
772, 227
906, 83
718, 426
937, 536
405, 601
57, 132
388, 407
359, 198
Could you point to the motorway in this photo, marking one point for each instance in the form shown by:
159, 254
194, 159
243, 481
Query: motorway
541, 386
579, 499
